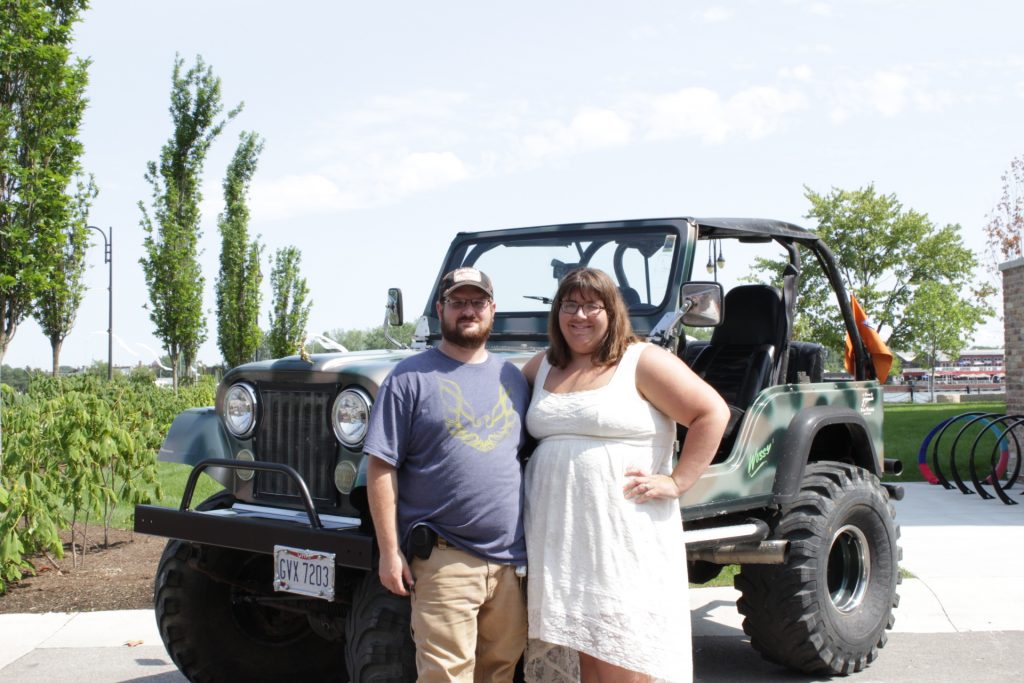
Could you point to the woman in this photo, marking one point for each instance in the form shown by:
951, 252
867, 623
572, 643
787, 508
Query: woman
603, 530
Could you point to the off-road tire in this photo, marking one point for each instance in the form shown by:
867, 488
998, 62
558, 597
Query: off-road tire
827, 609
212, 634
379, 647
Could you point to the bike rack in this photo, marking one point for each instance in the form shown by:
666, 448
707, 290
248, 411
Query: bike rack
1002, 426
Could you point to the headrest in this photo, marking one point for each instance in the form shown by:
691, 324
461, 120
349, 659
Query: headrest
630, 296
753, 317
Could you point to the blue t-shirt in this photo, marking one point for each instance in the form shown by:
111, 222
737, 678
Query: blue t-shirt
453, 430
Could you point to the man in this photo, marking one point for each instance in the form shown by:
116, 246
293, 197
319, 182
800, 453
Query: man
445, 434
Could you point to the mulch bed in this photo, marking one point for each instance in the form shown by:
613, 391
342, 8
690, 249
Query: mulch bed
118, 576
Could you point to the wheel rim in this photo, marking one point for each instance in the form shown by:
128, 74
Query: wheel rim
849, 568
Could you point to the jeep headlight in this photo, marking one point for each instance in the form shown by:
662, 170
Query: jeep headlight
240, 410
350, 416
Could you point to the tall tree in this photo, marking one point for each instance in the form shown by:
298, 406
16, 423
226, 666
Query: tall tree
1005, 228
57, 304
289, 311
238, 283
885, 254
941, 326
42, 100
171, 265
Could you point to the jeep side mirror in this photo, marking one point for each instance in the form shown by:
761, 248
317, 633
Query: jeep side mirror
393, 307
702, 304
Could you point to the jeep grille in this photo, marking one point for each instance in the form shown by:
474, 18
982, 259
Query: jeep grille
295, 431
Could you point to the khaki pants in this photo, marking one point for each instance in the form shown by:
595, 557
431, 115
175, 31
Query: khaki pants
468, 618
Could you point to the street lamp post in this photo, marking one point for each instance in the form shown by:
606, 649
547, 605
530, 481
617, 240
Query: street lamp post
108, 258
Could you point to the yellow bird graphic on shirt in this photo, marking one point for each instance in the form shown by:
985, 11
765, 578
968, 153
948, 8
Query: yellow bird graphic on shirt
482, 433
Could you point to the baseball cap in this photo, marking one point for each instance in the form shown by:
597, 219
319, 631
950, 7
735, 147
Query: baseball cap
466, 277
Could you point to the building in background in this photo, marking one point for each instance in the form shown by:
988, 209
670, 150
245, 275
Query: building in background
974, 367
1013, 334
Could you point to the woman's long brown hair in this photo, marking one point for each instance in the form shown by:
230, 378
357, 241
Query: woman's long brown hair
591, 283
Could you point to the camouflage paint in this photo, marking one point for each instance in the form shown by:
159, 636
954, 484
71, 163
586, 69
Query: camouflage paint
750, 469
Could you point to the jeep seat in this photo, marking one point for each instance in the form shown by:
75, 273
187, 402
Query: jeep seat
633, 302
739, 361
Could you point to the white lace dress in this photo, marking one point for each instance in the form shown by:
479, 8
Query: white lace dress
607, 576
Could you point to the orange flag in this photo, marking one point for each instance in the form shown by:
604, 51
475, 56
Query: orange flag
881, 356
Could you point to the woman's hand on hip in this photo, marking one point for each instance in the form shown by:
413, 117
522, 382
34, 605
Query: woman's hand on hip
643, 487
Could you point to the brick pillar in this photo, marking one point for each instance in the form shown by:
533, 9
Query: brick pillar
1013, 333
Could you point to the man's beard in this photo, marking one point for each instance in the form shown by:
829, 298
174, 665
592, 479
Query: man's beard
467, 340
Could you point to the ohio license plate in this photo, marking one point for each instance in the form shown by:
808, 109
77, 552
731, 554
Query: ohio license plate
305, 572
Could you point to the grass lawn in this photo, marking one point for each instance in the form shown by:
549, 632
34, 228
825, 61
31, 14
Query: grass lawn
172, 477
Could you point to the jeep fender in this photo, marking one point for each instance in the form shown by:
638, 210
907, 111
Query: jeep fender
799, 438
197, 434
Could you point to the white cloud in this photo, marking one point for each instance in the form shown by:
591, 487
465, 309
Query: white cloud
757, 112
717, 14
698, 112
691, 112
594, 127
801, 72
295, 195
887, 91
371, 180
428, 170
933, 101
839, 115
590, 128
425, 104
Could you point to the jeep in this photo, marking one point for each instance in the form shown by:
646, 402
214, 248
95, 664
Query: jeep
274, 577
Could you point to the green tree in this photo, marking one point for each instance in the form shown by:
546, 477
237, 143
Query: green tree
371, 337
1005, 227
57, 304
238, 284
16, 378
942, 325
42, 100
289, 311
171, 264
885, 253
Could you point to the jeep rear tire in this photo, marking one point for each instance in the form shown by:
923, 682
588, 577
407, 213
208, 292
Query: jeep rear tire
214, 631
827, 609
379, 647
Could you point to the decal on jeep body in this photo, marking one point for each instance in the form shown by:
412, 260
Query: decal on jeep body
758, 459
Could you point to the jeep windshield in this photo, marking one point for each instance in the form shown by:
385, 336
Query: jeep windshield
527, 264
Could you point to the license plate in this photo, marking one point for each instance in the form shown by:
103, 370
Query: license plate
305, 572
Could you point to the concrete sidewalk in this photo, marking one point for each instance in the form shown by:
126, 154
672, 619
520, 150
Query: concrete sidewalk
966, 554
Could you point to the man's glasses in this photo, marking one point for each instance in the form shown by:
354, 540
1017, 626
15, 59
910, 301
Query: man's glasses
459, 304
590, 309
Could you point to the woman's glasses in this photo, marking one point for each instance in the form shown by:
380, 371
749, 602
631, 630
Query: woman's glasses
590, 309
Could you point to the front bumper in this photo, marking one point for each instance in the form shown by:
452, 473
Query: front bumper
255, 528
352, 548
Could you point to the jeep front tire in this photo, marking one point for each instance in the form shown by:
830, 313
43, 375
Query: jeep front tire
379, 647
215, 626
827, 608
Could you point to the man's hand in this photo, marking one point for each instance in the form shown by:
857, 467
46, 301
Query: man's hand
395, 574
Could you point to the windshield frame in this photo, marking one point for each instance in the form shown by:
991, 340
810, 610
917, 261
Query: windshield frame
525, 329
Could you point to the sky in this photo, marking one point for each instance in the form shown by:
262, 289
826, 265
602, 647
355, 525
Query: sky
391, 126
